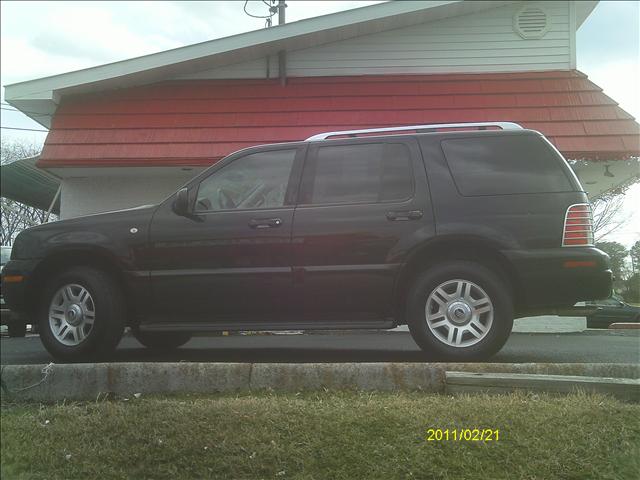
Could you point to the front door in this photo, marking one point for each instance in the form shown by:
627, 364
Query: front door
230, 260
362, 205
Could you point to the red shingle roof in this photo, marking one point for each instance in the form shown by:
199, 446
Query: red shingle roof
199, 122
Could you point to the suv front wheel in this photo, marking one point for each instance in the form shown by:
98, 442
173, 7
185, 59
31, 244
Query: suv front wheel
460, 310
82, 316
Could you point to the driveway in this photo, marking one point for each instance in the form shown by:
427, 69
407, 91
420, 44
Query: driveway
594, 346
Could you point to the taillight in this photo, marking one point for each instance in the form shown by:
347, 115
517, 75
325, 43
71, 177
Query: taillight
578, 226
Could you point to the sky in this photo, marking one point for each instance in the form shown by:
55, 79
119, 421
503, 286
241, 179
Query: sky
39, 39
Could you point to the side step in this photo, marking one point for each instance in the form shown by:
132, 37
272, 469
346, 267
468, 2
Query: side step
269, 326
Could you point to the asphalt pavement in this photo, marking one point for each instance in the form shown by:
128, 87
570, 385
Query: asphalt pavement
593, 346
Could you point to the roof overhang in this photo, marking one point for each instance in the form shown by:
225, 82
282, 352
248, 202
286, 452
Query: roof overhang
583, 10
39, 98
604, 177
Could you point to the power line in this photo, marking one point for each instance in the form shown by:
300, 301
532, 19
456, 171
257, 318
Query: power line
271, 14
25, 129
37, 114
268, 18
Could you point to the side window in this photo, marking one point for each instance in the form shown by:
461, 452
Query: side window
500, 165
360, 173
258, 180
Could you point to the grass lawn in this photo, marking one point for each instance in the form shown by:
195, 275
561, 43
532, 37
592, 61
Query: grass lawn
322, 435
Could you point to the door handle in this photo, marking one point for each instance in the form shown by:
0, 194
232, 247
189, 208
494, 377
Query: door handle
404, 215
265, 222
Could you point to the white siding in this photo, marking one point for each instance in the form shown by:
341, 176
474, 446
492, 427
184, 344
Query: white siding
478, 42
484, 41
102, 193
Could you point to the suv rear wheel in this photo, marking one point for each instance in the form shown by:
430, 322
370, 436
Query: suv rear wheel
460, 310
82, 316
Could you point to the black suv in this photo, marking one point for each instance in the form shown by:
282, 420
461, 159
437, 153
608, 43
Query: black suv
452, 229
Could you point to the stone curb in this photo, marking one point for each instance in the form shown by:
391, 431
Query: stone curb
627, 389
89, 381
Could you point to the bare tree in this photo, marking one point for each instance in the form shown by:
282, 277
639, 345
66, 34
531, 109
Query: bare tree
606, 215
16, 216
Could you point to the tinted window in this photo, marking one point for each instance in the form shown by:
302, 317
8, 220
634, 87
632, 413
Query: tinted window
504, 165
375, 172
258, 180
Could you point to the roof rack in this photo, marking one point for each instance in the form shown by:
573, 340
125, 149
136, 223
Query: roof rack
420, 128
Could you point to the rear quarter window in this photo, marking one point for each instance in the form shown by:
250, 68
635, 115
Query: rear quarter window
502, 165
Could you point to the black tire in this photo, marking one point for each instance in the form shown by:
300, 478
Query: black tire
161, 340
109, 322
495, 288
16, 328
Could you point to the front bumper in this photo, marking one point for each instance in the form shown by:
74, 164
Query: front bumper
560, 277
16, 294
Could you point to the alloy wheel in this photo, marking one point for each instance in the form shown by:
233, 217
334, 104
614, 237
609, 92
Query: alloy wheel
459, 313
71, 314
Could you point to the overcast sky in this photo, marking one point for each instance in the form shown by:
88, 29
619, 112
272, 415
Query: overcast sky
38, 39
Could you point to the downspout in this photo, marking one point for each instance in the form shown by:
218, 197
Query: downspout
282, 54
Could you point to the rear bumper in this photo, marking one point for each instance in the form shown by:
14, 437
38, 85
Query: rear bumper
561, 277
16, 294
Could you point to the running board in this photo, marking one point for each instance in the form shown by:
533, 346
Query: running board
268, 326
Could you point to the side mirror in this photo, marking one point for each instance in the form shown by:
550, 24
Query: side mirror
181, 203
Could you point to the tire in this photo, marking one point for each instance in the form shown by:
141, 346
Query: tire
16, 328
102, 313
161, 340
475, 326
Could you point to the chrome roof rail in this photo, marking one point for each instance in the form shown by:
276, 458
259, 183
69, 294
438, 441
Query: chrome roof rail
435, 126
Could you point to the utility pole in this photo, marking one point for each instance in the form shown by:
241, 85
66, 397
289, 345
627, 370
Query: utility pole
282, 54
281, 7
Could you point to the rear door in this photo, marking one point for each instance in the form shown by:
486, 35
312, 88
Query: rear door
362, 205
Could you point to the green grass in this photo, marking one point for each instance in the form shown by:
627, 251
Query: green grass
325, 436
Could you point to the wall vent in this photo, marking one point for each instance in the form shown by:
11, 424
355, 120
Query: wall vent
531, 22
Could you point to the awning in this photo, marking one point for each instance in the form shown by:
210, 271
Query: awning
23, 182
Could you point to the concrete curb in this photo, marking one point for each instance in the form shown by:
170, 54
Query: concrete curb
627, 389
624, 326
51, 383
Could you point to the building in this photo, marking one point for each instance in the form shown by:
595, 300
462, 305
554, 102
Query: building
131, 132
